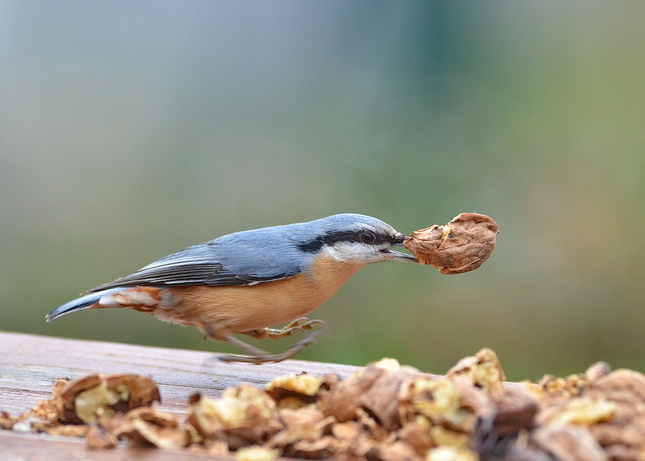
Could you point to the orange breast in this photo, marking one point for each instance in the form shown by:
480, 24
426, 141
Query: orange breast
239, 309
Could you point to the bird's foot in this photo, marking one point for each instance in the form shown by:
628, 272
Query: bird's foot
258, 356
297, 326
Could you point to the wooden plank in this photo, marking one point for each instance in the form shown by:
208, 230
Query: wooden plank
30, 364
43, 447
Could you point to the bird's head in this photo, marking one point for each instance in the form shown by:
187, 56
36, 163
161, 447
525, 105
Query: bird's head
354, 239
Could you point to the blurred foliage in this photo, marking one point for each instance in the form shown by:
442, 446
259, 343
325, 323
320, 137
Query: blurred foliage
129, 130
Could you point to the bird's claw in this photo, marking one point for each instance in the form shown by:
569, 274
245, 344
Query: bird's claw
258, 356
299, 325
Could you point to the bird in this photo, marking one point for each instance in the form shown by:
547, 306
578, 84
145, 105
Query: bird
249, 281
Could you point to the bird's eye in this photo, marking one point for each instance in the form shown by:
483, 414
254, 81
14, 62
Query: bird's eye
367, 237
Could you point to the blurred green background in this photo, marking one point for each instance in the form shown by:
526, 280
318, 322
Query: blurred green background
130, 130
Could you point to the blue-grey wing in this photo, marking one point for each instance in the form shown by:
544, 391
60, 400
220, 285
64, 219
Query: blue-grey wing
228, 261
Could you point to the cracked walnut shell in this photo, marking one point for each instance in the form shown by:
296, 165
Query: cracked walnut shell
460, 246
82, 399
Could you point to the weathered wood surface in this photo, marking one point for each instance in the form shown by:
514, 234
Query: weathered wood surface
30, 364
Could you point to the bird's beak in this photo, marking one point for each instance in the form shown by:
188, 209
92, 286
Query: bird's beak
399, 256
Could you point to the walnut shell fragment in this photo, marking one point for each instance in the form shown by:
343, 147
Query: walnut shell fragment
373, 389
145, 425
439, 401
621, 435
256, 453
7, 421
81, 400
460, 246
296, 391
483, 370
567, 443
243, 415
48, 412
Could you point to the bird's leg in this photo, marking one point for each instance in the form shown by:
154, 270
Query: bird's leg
297, 326
259, 356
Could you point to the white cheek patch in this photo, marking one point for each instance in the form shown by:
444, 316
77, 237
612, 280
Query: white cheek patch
352, 252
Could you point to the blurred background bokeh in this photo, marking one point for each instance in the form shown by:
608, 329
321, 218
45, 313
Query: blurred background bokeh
129, 130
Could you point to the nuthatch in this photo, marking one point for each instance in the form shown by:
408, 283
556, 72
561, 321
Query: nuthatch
247, 281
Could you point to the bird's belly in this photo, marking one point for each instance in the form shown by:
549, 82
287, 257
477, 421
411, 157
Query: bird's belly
247, 308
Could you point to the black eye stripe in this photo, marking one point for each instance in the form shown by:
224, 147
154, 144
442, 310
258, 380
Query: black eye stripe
346, 236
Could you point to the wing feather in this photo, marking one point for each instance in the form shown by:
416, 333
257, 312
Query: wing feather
215, 263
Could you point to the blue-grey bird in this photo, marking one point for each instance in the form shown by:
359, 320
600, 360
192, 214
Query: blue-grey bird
248, 281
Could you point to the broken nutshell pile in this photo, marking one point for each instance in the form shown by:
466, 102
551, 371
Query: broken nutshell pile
384, 411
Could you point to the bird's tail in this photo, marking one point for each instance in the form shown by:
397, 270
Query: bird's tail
81, 303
